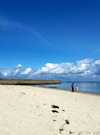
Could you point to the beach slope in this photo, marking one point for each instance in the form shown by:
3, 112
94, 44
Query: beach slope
26, 110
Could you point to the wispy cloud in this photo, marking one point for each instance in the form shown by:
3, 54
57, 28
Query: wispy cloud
8, 25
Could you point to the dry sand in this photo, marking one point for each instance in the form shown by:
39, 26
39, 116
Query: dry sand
26, 110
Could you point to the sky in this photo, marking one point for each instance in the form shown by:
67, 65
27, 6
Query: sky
36, 32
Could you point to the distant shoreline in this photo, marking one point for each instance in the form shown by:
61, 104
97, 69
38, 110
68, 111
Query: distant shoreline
28, 82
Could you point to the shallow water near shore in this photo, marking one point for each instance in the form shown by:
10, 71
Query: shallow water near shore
89, 87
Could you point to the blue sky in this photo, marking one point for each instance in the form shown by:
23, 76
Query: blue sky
35, 32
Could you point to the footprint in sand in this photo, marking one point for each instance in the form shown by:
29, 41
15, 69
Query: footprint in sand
55, 108
54, 111
67, 122
62, 127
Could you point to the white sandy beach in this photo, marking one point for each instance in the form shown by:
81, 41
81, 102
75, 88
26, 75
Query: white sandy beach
26, 110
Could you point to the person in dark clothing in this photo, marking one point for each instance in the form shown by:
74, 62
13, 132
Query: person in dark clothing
72, 87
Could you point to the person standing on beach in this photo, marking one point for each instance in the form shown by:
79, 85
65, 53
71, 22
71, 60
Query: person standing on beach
77, 88
72, 87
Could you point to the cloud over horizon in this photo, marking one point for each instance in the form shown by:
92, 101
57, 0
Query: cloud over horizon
86, 68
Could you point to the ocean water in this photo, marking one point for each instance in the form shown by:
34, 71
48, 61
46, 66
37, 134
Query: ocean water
89, 87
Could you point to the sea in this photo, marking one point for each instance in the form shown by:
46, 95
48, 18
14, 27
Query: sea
87, 87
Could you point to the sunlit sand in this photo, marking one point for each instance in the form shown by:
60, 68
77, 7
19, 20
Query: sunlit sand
26, 110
